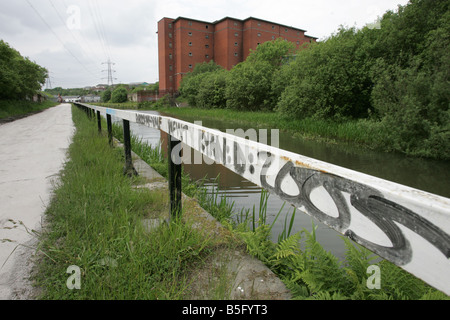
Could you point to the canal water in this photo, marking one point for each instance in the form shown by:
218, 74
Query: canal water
428, 175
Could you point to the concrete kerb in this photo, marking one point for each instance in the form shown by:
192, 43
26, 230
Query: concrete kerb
252, 280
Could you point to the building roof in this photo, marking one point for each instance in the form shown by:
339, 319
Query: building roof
231, 18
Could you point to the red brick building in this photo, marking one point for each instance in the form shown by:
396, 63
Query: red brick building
184, 42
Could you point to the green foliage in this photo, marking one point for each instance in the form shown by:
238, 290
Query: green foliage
248, 86
192, 85
106, 95
310, 272
211, 92
18, 108
326, 80
272, 52
119, 95
20, 78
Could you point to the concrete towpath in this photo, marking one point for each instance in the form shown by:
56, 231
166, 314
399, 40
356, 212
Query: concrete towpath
32, 152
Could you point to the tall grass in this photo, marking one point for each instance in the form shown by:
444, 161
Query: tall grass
363, 132
95, 222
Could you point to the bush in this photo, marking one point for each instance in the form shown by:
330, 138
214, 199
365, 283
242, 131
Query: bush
119, 95
106, 95
327, 80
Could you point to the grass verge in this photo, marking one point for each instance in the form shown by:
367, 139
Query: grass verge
10, 110
94, 222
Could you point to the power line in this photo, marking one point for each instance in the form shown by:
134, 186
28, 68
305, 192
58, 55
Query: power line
100, 36
70, 31
59, 39
102, 28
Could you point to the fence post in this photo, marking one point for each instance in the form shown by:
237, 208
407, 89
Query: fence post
109, 123
129, 169
174, 177
99, 121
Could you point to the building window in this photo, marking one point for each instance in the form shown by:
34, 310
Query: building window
170, 35
235, 54
207, 56
273, 27
190, 66
235, 44
207, 46
170, 56
273, 37
170, 44
170, 67
259, 24
190, 54
206, 26
259, 34
236, 34
235, 24
190, 33
190, 23
207, 36
190, 44
170, 25
285, 30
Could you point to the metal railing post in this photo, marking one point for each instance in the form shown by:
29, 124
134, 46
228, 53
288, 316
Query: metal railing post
110, 135
174, 177
129, 169
99, 121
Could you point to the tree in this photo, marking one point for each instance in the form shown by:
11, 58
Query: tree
211, 93
273, 52
20, 78
191, 83
248, 86
106, 95
327, 80
119, 95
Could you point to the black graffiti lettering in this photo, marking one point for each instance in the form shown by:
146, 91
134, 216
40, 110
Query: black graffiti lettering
175, 126
385, 209
148, 120
400, 252
312, 179
239, 159
367, 200
210, 146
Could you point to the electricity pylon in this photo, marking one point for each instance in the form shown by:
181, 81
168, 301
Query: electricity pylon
110, 72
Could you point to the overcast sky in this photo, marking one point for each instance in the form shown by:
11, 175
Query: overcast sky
72, 38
